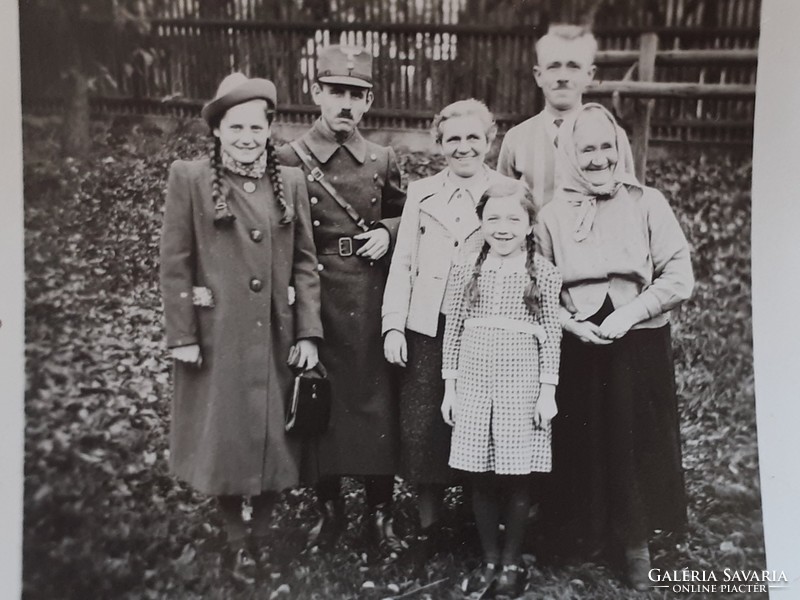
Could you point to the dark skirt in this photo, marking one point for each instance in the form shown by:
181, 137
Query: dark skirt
424, 436
616, 443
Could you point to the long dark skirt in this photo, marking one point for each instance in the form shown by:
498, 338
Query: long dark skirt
424, 436
616, 444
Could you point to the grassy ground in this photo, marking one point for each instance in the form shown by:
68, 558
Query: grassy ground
103, 519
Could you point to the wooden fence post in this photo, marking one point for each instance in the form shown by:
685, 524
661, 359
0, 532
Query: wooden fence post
643, 108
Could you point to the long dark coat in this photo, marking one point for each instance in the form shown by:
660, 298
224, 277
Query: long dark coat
363, 437
227, 434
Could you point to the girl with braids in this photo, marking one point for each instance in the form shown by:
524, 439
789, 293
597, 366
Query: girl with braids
241, 303
500, 367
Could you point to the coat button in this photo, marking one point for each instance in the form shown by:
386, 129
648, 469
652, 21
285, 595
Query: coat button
256, 284
249, 187
256, 235
314, 200
373, 157
373, 200
421, 229
375, 176
456, 244
316, 223
320, 266
310, 178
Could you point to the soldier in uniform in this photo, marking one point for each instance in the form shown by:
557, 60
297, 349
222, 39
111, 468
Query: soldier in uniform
564, 69
354, 187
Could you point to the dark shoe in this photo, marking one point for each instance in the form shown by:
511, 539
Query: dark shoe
243, 566
481, 582
427, 544
381, 532
511, 582
329, 526
637, 561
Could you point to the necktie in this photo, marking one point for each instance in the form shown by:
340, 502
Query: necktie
557, 123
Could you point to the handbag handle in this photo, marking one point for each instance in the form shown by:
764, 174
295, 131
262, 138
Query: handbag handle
319, 369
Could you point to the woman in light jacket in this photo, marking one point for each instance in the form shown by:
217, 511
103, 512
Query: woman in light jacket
236, 236
439, 227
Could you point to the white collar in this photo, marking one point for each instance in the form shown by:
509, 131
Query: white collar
513, 264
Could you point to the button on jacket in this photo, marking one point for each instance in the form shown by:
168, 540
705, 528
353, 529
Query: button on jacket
437, 230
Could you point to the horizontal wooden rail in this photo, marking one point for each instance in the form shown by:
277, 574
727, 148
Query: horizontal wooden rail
526, 31
680, 57
663, 89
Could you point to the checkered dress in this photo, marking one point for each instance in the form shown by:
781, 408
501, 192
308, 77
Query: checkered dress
499, 370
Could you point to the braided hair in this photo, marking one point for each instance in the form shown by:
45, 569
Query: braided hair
274, 171
509, 190
220, 191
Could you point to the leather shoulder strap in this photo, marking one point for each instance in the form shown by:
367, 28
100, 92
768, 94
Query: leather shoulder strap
318, 176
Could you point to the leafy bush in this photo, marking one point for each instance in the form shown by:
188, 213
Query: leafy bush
104, 519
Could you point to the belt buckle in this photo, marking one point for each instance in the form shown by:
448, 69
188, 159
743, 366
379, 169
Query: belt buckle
317, 173
345, 246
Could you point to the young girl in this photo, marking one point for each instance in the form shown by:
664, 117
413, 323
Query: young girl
500, 366
236, 235
625, 263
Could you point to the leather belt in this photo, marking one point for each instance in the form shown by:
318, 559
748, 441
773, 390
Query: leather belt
343, 246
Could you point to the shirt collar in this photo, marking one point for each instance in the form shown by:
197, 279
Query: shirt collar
322, 144
552, 115
515, 264
475, 185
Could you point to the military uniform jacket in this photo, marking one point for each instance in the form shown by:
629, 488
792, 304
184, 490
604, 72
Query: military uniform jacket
227, 434
362, 438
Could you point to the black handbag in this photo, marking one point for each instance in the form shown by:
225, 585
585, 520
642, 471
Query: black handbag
309, 409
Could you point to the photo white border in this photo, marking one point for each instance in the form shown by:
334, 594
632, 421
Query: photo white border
12, 308
776, 284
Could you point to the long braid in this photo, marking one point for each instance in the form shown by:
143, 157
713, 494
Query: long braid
223, 217
273, 168
472, 292
531, 294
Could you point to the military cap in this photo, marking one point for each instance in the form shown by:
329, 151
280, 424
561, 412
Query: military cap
235, 89
345, 65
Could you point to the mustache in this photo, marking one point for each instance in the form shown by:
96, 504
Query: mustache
345, 113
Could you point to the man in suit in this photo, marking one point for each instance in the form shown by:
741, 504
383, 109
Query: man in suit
354, 188
564, 69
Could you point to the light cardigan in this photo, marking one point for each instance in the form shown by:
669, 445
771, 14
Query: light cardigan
635, 253
437, 230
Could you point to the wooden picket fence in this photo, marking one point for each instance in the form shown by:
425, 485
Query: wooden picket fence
427, 53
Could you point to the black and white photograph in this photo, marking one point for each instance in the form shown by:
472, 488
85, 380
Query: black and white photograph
386, 299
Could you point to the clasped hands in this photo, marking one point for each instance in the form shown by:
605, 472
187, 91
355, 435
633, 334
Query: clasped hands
303, 355
613, 327
545, 409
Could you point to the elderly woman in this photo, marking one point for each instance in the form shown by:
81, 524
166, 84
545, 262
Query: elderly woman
625, 263
236, 235
439, 227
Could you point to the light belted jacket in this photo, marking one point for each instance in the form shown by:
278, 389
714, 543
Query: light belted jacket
437, 230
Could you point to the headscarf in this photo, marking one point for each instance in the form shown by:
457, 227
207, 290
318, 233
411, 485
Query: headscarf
573, 186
